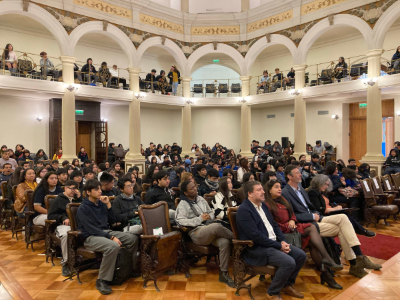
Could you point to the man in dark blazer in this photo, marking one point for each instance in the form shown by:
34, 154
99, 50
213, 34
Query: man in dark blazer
255, 222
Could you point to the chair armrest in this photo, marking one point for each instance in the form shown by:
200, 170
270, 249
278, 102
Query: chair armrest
74, 233
381, 195
243, 243
150, 237
50, 222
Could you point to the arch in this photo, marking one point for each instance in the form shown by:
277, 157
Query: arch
220, 64
40, 15
112, 31
169, 45
384, 23
221, 48
262, 44
323, 26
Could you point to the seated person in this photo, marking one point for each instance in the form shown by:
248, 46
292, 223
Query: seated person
396, 59
290, 77
78, 178
58, 212
352, 162
194, 212
116, 79
151, 80
6, 174
62, 175
307, 174
87, 175
318, 148
177, 179
240, 197
264, 83
280, 175
269, 175
28, 182
216, 167
126, 206
54, 165
26, 156
392, 163
162, 82
107, 185
77, 73
91, 71
105, 75
47, 186
363, 171
341, 69
254, 222
5, 158
165, 154
223, 199
94, 216
320, 185
278, 79
153, 155
25, 165
283, 215
329, 226
228, 172
210, 184
47, 66
315, 163
160, 192
201, 175
10, 59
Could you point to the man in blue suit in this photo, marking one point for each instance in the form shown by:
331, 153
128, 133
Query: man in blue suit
255, 222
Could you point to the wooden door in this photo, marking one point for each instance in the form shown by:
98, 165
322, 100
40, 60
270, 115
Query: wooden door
83, 136
358, 139
101, 138
388, 134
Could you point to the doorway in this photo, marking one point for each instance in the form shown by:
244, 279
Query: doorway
84, 136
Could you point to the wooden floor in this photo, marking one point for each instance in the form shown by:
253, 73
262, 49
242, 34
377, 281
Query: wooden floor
25, 275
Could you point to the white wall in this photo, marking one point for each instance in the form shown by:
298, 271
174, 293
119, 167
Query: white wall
207, 6
19, 125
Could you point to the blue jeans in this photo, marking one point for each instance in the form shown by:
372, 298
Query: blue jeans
391, 170
288, 265
174, 88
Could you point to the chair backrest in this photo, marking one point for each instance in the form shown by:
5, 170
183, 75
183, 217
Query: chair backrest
29, 200
235, 174
376, 185
387, 183
367, 189
143, 196
223, 88
372, 173
111, 198
72, 209
155, 216
209, 198
177, 200
4, 188
258, 176
48, 200
396, 180
210, 87
232, 219
235, 87
119, 152
14, 190
145, 186
198, 88
326, 74
234, 192
177, 191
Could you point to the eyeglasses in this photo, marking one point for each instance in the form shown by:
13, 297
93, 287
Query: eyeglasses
70, 188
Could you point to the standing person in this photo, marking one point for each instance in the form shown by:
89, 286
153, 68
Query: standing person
193, 211
105, 75
174, 76
396, 59
47, 67
58, 212
82, 155
255, 222
341, 69
10, 59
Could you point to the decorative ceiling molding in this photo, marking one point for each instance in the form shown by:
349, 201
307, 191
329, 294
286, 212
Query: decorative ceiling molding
67, 19
25, 5
188, 48
215, 30
105, 25
160, 23
371, 13
136, 36
296, 33
318, 5
106, 8
279, 18
243, 47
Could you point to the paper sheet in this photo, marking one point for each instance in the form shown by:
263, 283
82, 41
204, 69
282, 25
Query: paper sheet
366, 186
158, 231
376, 183
388, 185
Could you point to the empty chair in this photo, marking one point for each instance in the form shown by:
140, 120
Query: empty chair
223, 88
326, 76
210, 88
198, 88
236, 88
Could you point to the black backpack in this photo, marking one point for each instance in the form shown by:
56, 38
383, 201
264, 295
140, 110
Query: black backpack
333, 249
123, 266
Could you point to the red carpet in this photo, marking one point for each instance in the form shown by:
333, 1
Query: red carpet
381, 246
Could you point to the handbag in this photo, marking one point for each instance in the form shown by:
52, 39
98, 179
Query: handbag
293, 238
348, 192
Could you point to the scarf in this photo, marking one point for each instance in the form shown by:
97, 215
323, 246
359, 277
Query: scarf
213, 185
126, 197
32, 185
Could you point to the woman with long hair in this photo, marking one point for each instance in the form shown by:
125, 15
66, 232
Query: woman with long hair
197, 151
152, 170
26, 156
19, 151
58, 155
117, 167
229, 173
174, 79
135, 170
75, 164
283, 214
223, 199
10, 59
187, 176
255, 168
40, 173
27, 182
244, 168
40, 155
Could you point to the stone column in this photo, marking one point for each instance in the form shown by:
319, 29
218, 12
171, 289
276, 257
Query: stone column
299, 113
186, 118
68, 131
134, 157
374, 156
245, 132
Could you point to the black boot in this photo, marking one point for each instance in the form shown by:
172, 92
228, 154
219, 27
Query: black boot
66, 272
326, 276
103, 287
224, 278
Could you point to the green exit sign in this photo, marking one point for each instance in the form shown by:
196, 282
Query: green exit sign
363, 105
215, 61
79, 112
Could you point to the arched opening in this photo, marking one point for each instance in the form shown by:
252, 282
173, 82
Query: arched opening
215, 75
159, 59
390, 44
271, 58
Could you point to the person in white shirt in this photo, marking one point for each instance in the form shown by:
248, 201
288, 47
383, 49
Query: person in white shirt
244, 168
116, 79
264, 82
10, 59
165, 151
223, 199
152, 155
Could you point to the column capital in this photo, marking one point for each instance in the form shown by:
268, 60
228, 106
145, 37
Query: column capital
374, 52
300, 68
186, 78
134, 70
245, 78
68, 59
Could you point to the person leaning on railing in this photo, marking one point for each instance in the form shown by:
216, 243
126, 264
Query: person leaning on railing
264, 83
151, 80
341, 68
47, 66
77, 73
91, 71
10, 59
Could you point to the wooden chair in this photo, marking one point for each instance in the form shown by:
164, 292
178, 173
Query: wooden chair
143, 196
378, 190
209, 198
52, 242
240, 268
396, 181
145, 187
159, 253
5, 208
79, 258
17, 223
258, 176
234, 174
376, 208
33, 233
177, 192
389, 188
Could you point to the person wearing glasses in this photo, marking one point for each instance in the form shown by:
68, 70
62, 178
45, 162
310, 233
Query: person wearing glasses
58, 212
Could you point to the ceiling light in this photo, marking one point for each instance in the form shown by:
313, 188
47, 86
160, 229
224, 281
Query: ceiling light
335, 117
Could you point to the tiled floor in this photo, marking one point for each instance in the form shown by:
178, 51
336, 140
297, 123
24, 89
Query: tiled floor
25, 275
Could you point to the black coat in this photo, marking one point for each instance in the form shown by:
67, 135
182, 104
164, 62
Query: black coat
158, 194
125, 209
58, 208
85, 69
317, 201
170, 78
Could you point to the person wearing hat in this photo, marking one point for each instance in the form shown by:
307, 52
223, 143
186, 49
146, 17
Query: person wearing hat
151, 80
107, 185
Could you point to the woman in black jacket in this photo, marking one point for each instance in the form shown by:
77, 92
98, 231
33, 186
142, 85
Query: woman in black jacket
317, 194
363, 171
26, 156
174, 79
111, 155
396, 59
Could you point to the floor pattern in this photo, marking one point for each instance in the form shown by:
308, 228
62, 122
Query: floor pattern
25, 275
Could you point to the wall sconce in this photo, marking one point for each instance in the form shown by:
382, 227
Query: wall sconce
72, 87
242, 100
189, 101
398, 113
295, 92
371, 81
39, 118
336, 117
104, 120
140, 95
